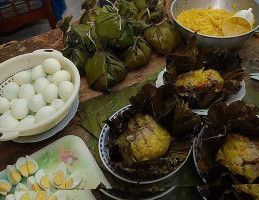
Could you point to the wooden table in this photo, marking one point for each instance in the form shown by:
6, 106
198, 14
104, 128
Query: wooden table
10, 151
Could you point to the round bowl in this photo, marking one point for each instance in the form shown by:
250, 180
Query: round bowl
104, 154
27, 62
230, 42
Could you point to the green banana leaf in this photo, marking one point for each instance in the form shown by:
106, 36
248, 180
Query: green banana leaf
64, 25
162, 37
104, 70
88, 4
89, 15
136, 55
126, 9
109, 24
150, 4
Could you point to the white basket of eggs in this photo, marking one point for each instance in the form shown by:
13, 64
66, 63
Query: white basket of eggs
37, 90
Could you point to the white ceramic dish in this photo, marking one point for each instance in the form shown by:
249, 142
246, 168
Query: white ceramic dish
27, 62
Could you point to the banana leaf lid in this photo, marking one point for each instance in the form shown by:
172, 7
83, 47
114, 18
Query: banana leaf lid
183, 125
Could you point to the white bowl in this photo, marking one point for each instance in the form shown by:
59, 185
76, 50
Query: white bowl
27, 62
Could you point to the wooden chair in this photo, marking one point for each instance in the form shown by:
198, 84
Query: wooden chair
45, 12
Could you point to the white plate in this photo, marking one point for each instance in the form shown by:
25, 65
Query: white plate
239, 96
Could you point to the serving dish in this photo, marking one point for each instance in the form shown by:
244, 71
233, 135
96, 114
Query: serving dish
215, 41
27, 62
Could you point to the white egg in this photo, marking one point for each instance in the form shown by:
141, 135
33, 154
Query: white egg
50, 93
57, 104
4, 105
59, 195
13, 174
22, 195
27, 121
59, 174
23, 77
7, 121
5, 187
13, 101
40, 85
50, 78
32, 165
32, 184
71, 181
65, 90
61, 76
36, 102
10, 197
20, 187
21, 166
51, 65
20, 109
44, 113
10, 91
38, 72
42, 179
26, 91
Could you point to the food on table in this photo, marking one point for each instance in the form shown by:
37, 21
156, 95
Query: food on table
20, 187
40, 84
229, 144
144, 138
22, 196
4, 105
20, 109
252, 189
59, 174
104, 70
42, 179
58, 195
205, 21
13, 174
10, 91
32, 184
41, 195
7, 121
22, 78
36, 102
10, 197
50, 93
5, 187
32, 165
240, 155
71, 181
44, 113
65, 90
27, 121
90, 11
38, 72
26, 91
61, 76
21, 166
51, 65
57, 104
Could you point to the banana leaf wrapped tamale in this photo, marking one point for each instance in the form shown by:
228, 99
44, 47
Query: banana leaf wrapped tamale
126, 9
104, 70
147, 141
90, 11
64, 25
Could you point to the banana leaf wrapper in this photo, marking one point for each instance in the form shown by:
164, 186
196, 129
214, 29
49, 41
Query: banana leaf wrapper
126, 9
221, 121
152, 5
189, 58
162, 37
162, 104
137, 55
109, 24
88, 4
89, 15
230, 192
104, 70
64, 25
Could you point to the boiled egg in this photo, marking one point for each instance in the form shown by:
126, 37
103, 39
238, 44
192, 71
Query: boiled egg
41, 195
71, 181
32, 165
20, 187
26, 91
20, 108
13, 174
36, 102
5, 105
59, 175
40, 85
50, 78
10, 91
38, 72
42, 179
10, 197
57, 104
7, 121
65, 90
51, 65
58, 195
61, 76
44, 113
27, 121
21, 166
22, 196
32, 184
5, 187
50, 92
23, 77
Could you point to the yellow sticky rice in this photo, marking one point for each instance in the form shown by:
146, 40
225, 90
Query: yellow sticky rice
205, 21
